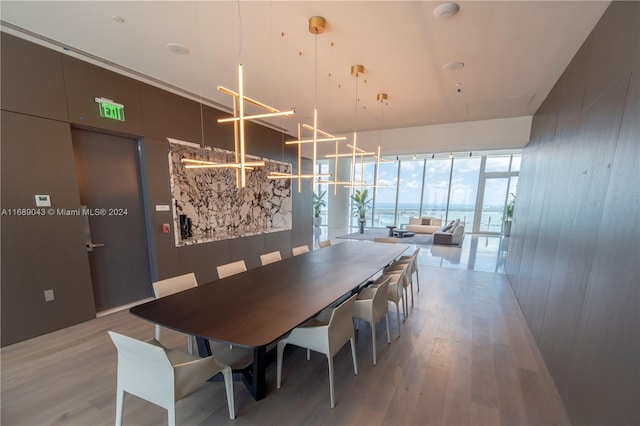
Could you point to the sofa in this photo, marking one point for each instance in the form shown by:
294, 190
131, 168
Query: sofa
423, 225
451, 234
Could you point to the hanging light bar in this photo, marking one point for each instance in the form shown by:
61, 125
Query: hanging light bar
202, 164
361, 154
339, 138
238, 120
257, 116
316, 26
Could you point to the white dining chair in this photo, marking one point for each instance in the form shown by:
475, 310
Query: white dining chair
395, 294
327, 333
413, 267
325, 243
173, 285
230, 269
405, 269
371, 305
163, 376
300, 250
272, 257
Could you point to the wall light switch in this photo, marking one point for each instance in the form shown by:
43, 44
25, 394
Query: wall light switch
48, 296
43, 201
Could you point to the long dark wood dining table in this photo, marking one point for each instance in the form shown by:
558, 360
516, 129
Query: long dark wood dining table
257, 307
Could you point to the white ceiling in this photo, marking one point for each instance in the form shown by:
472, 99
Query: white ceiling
513, 51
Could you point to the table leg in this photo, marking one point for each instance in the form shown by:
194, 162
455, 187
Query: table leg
254, 377
204, 347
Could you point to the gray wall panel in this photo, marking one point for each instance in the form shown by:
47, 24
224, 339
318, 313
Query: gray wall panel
157, 166
578, 216
616, 49
280, 241
571, 87
169, 115
152, 115
41, 252
44, 96
248, 249
610, 313
84, 82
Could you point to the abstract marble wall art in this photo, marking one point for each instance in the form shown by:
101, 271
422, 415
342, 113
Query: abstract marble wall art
217, 208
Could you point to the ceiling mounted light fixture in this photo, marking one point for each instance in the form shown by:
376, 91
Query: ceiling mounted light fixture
453, 66
382, 98
238, 120
316, 26
356, 71
178, 48
446, 10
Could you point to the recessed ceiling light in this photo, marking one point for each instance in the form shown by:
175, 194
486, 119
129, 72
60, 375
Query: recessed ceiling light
446, 10
178, 48
453, 66
118, 19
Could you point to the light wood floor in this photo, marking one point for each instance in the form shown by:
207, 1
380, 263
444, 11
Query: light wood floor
465, 357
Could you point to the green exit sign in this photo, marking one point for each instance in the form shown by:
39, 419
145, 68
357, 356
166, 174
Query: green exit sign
110, 109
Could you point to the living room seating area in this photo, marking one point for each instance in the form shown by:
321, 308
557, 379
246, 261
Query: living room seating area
452, 234
449, 234
424, 225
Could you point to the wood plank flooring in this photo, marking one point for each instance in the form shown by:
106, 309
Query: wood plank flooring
465, 357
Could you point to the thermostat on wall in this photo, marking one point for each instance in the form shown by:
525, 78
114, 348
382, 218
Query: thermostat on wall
43, 201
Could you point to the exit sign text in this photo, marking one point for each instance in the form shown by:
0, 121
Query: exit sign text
110, 109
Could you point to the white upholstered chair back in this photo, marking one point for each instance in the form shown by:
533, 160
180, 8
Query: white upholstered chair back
232, 268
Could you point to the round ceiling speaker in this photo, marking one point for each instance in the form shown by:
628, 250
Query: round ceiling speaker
453, 66
178, 48
446, 10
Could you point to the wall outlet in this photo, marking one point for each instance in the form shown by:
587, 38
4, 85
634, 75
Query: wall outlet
48, 296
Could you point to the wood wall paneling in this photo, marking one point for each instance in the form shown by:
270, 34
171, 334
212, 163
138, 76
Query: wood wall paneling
571, 86
159, 191
169, 115
616, 49
610, 313
202, 259
41, 252
84, 82
543, 125
151, 114
577, 216
280, 241
303, 206
217, 135
248, 249
22, 62
589, 174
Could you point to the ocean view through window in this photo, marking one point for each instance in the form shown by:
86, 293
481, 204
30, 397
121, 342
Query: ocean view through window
474, 189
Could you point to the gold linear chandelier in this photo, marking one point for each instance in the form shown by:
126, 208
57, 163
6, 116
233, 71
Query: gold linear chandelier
238, 120
240, 164
317, 26
381, 97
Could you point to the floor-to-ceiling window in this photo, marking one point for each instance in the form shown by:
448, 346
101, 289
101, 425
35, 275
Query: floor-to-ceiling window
472, 188
409, 190
364, 173
322, 189
464, 189
497, 185
437, 178
384, 195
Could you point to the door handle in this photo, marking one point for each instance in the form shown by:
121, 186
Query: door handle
91, 246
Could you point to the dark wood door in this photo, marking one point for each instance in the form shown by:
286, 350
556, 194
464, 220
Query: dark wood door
108, 173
